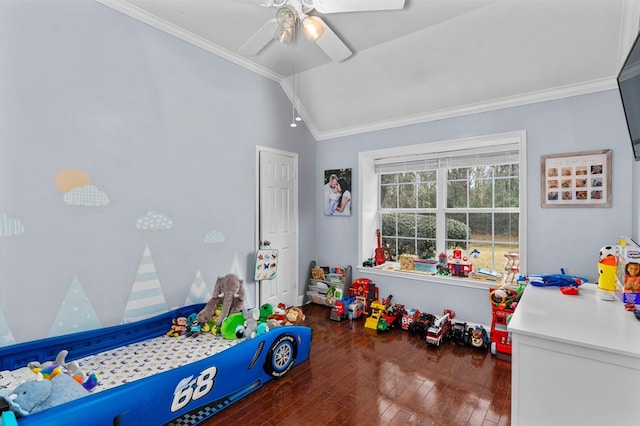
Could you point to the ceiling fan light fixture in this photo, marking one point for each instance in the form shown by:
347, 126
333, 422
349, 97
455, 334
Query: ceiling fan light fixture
283, 35
286, 17
312, 27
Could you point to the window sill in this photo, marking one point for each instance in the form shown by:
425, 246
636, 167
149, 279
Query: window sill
392, 269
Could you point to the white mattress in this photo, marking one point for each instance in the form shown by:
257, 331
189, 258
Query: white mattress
142, 359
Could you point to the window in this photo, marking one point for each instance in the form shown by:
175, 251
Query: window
428, 198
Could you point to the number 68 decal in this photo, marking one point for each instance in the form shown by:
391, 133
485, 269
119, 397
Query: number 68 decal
189, 389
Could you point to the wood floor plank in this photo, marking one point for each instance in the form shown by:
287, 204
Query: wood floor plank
358, 376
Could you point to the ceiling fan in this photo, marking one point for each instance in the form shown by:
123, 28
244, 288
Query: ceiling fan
291, 13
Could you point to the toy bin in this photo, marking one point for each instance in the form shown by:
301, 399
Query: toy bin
425, 265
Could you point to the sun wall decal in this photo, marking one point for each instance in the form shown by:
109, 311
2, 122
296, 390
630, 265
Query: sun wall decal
69, 179
77, 189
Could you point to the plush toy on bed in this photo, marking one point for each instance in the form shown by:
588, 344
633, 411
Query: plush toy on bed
37, 395
251, 317
228, 292
294, 316
50, 369
211, 326
233, 326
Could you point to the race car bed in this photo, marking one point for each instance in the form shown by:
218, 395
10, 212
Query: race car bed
147, 378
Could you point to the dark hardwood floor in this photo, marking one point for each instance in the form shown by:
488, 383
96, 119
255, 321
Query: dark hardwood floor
357, 376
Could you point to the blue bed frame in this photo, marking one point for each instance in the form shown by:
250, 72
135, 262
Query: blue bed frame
182, 396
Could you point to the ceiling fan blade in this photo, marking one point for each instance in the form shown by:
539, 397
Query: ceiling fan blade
260, 39
331, 44
338, 6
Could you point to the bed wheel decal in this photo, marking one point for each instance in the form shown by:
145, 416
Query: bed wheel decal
281, 356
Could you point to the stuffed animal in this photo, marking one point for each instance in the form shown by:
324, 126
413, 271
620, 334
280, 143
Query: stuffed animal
211, 326
265, 310
233, 326
262, 328
178, 327
228, 292
251, 317
37, 395
50, 369
294, 316
279, 313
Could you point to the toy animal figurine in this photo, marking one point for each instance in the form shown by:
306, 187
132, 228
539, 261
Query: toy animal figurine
607, 267
251, 317
37, 395
294, 316
228, 292
178, 327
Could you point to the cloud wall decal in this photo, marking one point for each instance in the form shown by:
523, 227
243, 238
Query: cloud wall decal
154, 221
88, 196
10, 226
214, 237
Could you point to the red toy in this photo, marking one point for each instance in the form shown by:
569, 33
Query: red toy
340, 308
439, 330
408, 317
500, 337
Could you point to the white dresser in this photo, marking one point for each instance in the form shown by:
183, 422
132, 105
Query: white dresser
575, 360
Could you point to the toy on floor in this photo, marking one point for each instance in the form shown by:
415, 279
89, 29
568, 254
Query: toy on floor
228, 292
439, 330
377, 319
340, 308
479, 337
420, 324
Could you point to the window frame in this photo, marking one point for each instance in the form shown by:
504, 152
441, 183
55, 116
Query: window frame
369, 193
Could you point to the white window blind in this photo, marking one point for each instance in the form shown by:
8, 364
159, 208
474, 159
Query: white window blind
483, 156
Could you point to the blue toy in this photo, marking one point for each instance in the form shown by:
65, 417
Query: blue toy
38, 395
555, 280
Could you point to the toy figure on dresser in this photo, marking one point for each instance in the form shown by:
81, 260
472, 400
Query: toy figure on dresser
607, 266
632, 277
628, 273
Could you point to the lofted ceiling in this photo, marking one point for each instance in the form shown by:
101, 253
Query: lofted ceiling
433, 59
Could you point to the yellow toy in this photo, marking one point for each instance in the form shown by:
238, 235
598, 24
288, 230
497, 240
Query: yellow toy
607, 267
211, 326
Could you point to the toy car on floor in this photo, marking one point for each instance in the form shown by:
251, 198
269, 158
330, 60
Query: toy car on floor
421, 324
438, 331
459, 333
408, 317
340, 308
478, 337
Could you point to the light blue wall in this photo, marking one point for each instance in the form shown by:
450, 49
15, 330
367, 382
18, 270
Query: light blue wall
160, 124
157, 124
568, 238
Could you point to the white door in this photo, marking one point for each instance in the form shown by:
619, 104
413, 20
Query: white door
278, 223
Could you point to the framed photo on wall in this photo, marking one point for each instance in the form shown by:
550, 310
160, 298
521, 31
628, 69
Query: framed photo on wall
338, 193
577, 179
